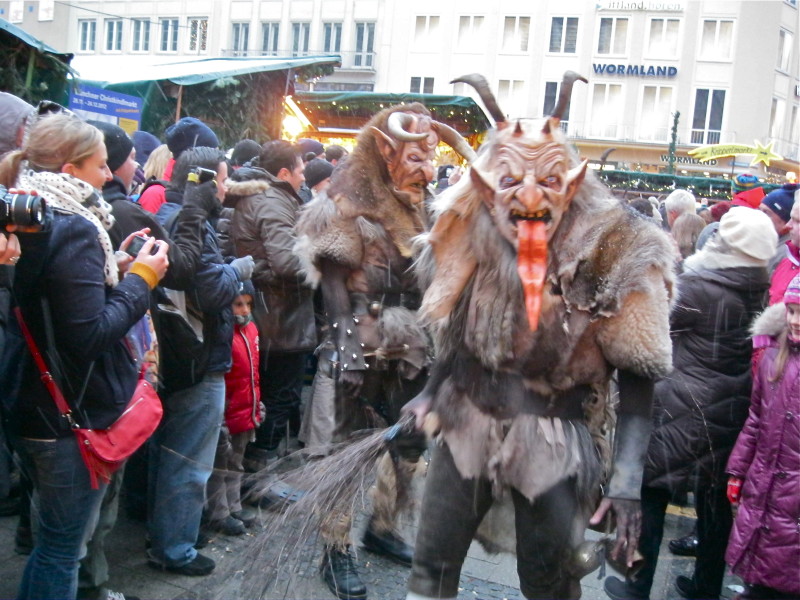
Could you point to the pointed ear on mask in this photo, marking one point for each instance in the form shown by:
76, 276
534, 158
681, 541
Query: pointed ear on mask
386, 145
574, 178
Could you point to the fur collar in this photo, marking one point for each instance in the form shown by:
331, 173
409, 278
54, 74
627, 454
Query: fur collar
770, 322
248, 187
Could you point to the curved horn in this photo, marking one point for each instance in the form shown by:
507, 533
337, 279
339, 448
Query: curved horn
454, 139
482, 87
570, 77
397, 123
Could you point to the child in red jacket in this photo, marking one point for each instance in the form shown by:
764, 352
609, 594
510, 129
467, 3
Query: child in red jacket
243, 413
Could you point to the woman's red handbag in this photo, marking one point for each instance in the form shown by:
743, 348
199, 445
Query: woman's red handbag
105, 450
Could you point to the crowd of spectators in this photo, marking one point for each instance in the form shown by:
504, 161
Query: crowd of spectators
222, 252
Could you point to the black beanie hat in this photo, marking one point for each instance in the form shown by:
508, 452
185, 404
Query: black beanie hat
317, 170
118, 144
189, 133
244, 151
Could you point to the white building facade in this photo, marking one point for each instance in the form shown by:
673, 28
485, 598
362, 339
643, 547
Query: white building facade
730, 68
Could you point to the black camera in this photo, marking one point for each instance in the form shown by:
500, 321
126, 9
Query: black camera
136, 244
21, 209
200, 175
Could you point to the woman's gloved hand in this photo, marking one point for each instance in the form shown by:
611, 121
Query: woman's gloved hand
734, 489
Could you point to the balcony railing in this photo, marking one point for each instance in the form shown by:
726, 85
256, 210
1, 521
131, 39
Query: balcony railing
354, 61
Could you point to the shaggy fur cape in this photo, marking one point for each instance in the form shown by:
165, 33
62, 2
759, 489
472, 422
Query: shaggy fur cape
610, 281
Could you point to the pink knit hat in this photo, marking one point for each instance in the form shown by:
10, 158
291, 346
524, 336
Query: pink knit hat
792, 294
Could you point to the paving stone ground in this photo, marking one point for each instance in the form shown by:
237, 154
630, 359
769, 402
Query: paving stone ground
247, 568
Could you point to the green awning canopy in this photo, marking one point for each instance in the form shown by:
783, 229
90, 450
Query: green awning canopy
128, 70
351, 110
31, 41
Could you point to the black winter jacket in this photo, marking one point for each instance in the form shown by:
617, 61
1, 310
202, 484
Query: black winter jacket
215, 287
702, 405
89, 319
185, 245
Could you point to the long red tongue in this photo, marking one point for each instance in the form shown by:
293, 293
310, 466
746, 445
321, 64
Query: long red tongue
532, 266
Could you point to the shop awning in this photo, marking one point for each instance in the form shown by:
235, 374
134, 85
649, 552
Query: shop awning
134, 69
342, 111
31, 41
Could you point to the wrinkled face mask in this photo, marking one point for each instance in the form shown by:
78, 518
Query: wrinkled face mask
410, 161
530, 188
242, 320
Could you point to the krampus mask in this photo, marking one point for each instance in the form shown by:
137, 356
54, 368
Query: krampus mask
408, 145
523, 177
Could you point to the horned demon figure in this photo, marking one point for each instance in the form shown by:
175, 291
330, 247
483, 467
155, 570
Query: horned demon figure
539, 285
357, 238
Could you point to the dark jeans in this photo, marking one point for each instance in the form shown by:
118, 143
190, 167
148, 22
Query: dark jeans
714, 520
66, 509
282, 375
452, 509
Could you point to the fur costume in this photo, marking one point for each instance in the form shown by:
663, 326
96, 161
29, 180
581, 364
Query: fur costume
356, 240
520, 401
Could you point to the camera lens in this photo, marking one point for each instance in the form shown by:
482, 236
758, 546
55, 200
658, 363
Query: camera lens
27, 210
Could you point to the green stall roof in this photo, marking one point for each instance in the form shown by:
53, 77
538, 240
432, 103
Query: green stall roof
188, 72
351, 110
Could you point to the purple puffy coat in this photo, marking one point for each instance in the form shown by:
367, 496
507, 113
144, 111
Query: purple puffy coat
764, 547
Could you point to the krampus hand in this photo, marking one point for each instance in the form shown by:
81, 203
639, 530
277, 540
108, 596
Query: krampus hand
419, 406
351, 382
628, 515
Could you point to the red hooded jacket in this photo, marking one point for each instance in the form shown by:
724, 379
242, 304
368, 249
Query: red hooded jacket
242, 389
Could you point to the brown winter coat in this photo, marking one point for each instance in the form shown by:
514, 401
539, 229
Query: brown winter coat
264, 217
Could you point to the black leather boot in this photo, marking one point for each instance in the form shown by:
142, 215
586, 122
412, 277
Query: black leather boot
339, 573
685, 546
388, 544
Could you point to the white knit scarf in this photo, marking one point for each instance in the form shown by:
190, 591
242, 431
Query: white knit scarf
69, 194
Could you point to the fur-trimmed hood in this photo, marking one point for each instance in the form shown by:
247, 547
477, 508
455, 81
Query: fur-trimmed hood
244, 182
770, 322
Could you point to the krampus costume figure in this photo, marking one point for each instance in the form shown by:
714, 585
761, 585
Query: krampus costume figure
539, 285
357, 239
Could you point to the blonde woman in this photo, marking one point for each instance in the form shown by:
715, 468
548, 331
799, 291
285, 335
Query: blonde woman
69, 271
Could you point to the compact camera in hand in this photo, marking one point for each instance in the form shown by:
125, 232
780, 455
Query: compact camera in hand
136, 244
21, 209
200, 175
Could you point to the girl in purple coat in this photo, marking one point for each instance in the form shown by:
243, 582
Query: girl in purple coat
764, 467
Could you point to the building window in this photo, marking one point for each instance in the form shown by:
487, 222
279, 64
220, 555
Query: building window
717, 40
426, 31
776, 117
198, 34
46, 8
785, 41
551, 90
470, 32
421, 85
269, 43
241, 38
141, 35
516, 31
511, 94
88, 32
564, 35
663, 40
365, 42
613, 38
709, 106
169, 35
114, 35
656, 116
16, 11
606, 113
300, 35
332, 37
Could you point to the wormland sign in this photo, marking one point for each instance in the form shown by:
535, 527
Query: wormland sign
634, 70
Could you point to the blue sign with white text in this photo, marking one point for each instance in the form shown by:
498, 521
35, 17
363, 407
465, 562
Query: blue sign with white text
103, 105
